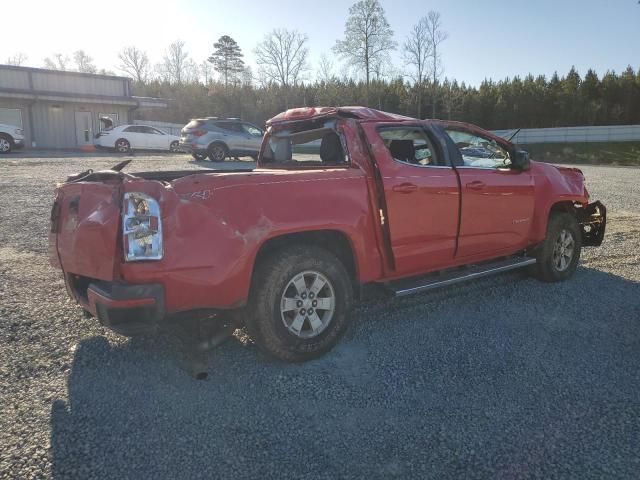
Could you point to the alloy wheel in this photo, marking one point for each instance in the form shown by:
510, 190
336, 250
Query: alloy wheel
308, 304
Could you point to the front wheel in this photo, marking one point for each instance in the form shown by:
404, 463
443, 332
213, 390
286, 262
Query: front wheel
6, 143
173, 147
300, 303
558, 256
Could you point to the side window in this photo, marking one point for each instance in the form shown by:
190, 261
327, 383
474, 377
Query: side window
230, 127
410, 145
147, 130
156, 131
251, 130
479, 152
131, 130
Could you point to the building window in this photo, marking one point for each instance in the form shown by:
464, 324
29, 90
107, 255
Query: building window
11, 116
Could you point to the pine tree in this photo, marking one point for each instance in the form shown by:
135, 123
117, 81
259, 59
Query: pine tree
227, 58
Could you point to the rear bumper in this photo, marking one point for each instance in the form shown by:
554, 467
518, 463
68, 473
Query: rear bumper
126, 309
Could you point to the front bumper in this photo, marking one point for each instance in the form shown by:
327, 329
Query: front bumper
126, 309
593, 221
18, 143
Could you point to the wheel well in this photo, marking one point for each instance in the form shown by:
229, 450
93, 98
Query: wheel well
563, 207
121, 138
7, 136
331, 240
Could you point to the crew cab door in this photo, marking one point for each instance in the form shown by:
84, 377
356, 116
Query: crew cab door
497, 201
421, 195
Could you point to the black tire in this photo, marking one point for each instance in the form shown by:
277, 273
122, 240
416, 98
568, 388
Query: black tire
550, 265
272, 279
199, 157
122, 145
6, 143
173, 146
218, 152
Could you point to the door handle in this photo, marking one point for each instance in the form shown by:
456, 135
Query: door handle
475, 185
405, 188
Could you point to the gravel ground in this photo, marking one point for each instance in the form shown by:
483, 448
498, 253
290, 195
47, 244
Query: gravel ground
502, 378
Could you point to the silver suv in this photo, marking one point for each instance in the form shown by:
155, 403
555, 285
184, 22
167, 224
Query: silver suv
219, 138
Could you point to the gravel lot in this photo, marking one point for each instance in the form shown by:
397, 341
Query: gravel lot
502, 378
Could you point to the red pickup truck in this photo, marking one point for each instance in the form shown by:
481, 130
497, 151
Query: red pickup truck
341, 198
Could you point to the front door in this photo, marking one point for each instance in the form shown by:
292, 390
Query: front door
497, 201
422, 197
84, 129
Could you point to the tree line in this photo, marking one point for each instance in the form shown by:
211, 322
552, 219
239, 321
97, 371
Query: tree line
223, 85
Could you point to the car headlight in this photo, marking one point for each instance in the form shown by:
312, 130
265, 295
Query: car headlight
141, 228
18, 131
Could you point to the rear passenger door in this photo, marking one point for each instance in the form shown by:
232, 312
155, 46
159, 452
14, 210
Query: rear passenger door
497, 201
421, 194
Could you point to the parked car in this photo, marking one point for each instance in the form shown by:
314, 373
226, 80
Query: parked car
124, 138
219, 138
11, 137
342, 199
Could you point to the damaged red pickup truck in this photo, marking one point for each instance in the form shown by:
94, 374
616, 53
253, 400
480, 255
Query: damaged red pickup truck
342, 198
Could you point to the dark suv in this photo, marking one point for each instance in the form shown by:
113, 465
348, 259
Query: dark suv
219, 138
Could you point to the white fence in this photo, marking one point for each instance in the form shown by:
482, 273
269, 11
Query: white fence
617, 133
171, 128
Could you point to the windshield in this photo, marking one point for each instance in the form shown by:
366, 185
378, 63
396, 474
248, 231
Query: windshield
315, 147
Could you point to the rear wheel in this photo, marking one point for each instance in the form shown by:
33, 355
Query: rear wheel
217, 152
558, 256
300, 303
173, 147
123, 145
6, 143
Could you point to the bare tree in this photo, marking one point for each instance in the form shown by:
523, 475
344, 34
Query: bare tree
135, 63
206, 72
17, 60
58, 62
435, 36
176, 66
367, 37
84, 63
325, 69
417, 51
282, 56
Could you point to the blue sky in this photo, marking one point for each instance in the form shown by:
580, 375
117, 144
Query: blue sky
487, 39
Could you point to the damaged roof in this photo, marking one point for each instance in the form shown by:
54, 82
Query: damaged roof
312, 113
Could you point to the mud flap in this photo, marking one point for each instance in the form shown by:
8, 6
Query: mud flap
593, 220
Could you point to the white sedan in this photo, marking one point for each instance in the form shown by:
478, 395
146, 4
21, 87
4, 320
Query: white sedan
136, 137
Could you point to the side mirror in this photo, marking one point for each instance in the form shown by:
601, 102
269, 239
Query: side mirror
521, 160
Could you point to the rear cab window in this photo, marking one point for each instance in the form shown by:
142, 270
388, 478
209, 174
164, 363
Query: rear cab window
319, 145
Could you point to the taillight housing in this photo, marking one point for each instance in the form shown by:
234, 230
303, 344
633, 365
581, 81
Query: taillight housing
141, 228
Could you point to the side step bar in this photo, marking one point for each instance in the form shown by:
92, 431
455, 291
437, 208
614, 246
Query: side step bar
401, 288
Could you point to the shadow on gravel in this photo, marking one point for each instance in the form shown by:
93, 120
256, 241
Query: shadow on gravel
499, 378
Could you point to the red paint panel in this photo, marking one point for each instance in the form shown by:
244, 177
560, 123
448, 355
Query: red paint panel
497, 211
